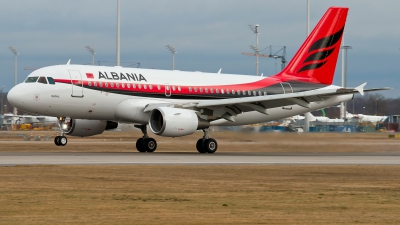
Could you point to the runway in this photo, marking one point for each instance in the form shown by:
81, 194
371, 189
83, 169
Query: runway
189, 158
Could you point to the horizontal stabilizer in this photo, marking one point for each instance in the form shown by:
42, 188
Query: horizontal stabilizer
360, 88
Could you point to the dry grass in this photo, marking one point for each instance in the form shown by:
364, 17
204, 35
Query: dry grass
200, 194
224, 194
228, 142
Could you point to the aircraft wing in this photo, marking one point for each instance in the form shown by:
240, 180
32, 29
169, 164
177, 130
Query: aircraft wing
227, 108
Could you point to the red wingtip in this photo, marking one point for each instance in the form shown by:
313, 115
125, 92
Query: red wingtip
316, 59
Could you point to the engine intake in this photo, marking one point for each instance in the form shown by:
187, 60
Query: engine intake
175, 122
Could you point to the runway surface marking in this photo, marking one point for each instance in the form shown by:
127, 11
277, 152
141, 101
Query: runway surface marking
87, 158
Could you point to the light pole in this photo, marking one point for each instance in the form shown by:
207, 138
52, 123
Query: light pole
344, 81
91, 50
364, 110
376, 112
255, 48
13, 50
172, 50
307, 115
118, 33
1, 112
308, 17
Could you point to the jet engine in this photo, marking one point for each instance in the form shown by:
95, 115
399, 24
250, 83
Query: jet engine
84, 128
175, 122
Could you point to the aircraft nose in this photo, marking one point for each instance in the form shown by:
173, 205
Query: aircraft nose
16, 96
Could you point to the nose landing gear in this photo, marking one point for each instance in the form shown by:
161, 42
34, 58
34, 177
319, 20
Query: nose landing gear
61, 140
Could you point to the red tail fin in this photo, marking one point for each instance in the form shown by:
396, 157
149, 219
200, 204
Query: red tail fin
316, 59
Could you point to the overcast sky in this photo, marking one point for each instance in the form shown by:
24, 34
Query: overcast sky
207, 34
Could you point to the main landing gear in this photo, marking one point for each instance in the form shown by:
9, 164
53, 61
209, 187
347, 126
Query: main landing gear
146, 143
206, 144
61, 140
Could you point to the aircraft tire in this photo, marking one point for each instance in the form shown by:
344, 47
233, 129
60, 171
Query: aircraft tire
140, 145
210, 145
150, 144
62, 140
200, 146
57, 140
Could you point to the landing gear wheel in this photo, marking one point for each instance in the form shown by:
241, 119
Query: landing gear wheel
150, 144
210, 145
140, 145
145, 144
63, 140
200, 146
60, 140
57, 140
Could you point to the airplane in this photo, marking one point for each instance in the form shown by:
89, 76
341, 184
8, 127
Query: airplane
21, 119
318, 119
365, 118
349, 117
87, 100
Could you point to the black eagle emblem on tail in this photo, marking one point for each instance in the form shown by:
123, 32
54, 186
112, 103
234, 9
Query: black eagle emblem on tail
324, 45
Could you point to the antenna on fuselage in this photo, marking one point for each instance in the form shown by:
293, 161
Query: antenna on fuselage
69, 61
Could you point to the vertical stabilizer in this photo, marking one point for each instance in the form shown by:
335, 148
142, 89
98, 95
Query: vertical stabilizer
316, 59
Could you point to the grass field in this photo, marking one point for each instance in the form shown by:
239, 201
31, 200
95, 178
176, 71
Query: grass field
200, 194
194, 194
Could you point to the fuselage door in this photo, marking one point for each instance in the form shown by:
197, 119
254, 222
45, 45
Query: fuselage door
167, 90
287, 88
76, 83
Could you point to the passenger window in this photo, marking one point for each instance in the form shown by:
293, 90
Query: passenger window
31, 79
42, 80
51, 80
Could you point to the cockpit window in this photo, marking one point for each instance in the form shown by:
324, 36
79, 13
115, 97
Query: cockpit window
42, 80
51, 80
31, 79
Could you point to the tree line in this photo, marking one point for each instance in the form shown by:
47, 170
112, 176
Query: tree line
369, 104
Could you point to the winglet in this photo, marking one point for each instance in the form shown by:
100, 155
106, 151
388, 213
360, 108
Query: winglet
68, 61
360, 88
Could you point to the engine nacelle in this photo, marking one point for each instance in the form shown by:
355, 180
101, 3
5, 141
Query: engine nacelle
175, 122
84, 128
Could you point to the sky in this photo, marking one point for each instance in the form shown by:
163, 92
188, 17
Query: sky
207, 35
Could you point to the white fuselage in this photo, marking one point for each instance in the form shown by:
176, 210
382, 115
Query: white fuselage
87, 100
